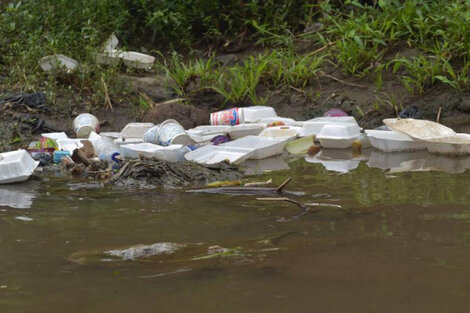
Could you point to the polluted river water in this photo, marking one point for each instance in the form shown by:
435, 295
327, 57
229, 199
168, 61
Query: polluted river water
384, 233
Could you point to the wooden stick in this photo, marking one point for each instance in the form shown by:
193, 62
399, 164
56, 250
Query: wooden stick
279, 189
106, 95
121, 171
298, 90
439, 114
322, 48
300, 205
344, 82
170, 101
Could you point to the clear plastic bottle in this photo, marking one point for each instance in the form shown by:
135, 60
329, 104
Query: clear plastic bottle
106, 149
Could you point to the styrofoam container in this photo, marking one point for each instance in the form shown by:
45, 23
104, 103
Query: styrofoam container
55, 136
137, 60
58, 62
254, 113
130, 58
287, 121
315, 126
69, 144
281, 131
214, 154
202, 139
334, 119
419, 129
338, 136
121, 142
392, 141
205, 133
135, 130
458, 144
212, 129
16, 166
242, 130
114, 135
263, 147
150, 150
111, 43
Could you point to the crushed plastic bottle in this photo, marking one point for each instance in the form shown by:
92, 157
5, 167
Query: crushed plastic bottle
106, 149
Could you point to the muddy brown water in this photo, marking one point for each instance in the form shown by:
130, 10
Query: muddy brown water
398, 243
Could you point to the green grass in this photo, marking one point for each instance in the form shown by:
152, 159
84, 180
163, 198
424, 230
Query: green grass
365, 41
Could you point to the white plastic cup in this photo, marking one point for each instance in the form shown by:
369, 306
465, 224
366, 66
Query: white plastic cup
233, 116
171, 132
84, 124
150, 136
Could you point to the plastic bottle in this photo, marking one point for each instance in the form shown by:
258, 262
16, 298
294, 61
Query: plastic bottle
180, 153
106, 149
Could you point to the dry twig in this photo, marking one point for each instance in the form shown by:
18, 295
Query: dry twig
344, 82
279, 189
107, 100
302, 206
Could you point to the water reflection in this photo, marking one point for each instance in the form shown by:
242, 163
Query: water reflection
341, 161
435, 163
418, 161
387, 161
256, 167
18, 196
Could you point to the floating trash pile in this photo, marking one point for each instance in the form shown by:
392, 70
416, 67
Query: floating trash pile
244, 136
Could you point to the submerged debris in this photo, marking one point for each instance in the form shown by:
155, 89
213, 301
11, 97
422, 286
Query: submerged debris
266, 191
145, 251
145, 173
178, 253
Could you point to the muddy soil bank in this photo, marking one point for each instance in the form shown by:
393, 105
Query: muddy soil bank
356, 96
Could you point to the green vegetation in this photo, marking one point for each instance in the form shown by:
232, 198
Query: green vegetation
293, 44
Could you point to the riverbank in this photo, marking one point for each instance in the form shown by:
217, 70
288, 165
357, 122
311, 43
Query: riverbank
372, 62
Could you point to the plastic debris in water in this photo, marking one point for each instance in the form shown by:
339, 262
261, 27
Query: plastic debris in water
24, 218
145, 251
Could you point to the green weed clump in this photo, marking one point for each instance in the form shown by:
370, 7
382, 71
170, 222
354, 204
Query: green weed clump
240, 84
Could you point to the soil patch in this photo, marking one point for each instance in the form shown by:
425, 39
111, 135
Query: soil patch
187, 115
